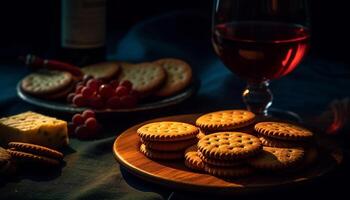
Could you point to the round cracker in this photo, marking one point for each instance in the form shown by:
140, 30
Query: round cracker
46, 82
227, 172
179, 75
105, 70
192, 160
169, 146
167, 131
283, 131
220, 163
229, 145
161, 155
271, 142
273, 158
225, 120
145, 77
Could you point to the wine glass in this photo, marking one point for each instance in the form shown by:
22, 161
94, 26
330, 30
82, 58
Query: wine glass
260, 40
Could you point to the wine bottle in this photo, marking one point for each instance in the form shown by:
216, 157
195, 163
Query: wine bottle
83, 27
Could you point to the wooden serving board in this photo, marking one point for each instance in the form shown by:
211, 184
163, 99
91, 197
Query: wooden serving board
175, 175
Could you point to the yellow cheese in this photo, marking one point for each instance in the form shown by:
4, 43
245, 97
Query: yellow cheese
34, 128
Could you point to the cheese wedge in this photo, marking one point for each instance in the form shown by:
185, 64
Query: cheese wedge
33, 128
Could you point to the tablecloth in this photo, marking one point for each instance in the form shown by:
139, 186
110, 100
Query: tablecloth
91, 171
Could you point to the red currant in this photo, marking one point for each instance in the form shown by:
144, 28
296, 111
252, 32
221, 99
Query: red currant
106, 91
79, 100
121, 91
86, 78
127, 84
114, 102
96, 102
82, 132
94, 84
91, 123
88, 113
87, 92
70, 97
77, 119
78, 89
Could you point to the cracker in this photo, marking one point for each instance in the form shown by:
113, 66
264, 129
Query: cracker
179, 75
200, 135
283, 131
229, 145
105, 70
36, 149
145, 77
31, 158
227, 172
219, 163
192, 160
226, 120
167, 131
169, 146
161, 155
273, 158
46, 82
271, 142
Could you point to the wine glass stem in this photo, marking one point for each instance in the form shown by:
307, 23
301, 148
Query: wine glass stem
258, 97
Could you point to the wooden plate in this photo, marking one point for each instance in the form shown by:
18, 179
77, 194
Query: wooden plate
142, 107
175, 175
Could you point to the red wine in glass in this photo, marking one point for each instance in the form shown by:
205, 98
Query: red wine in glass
258, 50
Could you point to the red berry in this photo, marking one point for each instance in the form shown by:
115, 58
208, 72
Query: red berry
128, 101
96, 102
88, 113
127, 84
114, 102
87, 92
91, 123
86, 78
121, 91
79, 100
78, 89
82, 132
77, 119
114, 83
106, 91
70, 97
94, 84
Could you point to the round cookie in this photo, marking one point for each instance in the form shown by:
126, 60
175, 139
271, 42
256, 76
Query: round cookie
35, 149
46, 82
179, 75
145, 77
273, 158
227, 172
283, 131
161, 155
31, 158
105, 70
192, 160
200, 135
219, 163
169, 146
167, 131
225, 120
271, 142
229, 145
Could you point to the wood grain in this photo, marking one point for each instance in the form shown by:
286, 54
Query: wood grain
174, 174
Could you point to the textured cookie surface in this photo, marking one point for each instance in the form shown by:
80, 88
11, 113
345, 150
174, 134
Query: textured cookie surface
179, 75
105, 70
145, 77
229, 145
46, 82
31, 158
271, 142
284, 131
226, 120
35, 149
237, 171
192, 160
161, 155
167, 131
169, 146
218, 162
273, 158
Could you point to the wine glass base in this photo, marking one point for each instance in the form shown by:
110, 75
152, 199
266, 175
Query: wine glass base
284, 115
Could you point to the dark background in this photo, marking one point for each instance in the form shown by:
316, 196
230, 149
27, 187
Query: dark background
34, 25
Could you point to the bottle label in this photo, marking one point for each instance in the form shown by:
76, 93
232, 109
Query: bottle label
83, 23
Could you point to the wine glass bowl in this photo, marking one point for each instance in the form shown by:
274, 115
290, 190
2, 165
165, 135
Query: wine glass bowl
260, 40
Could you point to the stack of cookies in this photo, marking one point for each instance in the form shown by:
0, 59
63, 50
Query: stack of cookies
166, 140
